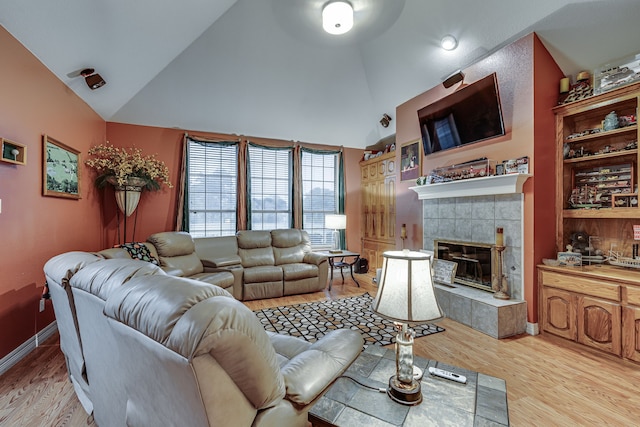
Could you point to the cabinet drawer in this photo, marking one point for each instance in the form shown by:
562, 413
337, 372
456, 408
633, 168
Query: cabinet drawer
582, 285
633, 295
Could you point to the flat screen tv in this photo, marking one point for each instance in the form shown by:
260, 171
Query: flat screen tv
471, 114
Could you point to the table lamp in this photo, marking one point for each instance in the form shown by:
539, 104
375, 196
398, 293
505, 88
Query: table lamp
337, 222
406, 295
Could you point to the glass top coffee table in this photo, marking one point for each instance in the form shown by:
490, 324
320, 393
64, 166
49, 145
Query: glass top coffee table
482, 401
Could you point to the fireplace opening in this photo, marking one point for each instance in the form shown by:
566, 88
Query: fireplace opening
475, 262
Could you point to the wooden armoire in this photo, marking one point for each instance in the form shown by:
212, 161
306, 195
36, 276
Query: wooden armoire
378, 184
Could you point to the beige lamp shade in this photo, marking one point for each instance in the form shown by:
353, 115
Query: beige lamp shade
405, 292
335, 222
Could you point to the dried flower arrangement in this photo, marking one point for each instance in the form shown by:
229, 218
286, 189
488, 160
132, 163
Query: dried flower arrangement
116, 165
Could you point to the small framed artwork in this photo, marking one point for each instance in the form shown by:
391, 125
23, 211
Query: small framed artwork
60, 173
410, 161
444, 271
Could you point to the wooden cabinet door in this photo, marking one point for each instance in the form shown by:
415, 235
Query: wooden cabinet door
381, 204
558, 313
599, 324
631, 333
390, 208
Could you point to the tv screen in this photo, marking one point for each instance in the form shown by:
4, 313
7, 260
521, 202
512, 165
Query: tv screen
469, 115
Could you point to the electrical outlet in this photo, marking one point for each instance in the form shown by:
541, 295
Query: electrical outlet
41, 305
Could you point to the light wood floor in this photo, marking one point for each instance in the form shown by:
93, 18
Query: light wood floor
549, 382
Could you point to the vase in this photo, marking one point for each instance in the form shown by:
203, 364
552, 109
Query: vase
128, 195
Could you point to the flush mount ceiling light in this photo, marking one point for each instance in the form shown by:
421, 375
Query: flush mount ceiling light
337, 17
449, 42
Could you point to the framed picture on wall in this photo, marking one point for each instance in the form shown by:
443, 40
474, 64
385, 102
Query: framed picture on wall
60, 174
410, 161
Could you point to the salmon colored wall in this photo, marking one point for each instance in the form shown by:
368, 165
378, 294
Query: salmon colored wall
514, 68
34, 228
547, 77
157, 211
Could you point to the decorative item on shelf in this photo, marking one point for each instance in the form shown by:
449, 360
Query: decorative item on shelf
565, 84
610, 121
499, 282
519, 165
580, 90
12, 152
617, 259
129, 172
550, 262
477, 168
617, 74
403, 233
406, 295
336, 222
570, 258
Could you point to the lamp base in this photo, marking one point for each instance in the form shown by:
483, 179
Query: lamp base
401, 393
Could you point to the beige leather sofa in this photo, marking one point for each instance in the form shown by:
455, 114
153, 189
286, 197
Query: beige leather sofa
145, 348
251, 265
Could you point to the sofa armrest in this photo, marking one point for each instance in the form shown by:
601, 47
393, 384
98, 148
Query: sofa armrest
313, 370
314, 258
220, 262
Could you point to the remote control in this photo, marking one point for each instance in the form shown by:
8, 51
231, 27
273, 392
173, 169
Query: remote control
447, 375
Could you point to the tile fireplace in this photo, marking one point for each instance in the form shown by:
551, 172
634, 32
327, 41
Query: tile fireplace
470, 211
476, 262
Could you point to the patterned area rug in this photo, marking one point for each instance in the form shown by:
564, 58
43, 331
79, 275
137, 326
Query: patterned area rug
312, 320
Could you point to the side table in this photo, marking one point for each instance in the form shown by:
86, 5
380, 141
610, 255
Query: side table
341, 263
482, 401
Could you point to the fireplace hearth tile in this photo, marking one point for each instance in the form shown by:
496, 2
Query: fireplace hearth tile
479, 310
460, 309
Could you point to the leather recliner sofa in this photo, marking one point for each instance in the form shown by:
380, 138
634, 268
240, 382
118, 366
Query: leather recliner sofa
251, 265
145, 348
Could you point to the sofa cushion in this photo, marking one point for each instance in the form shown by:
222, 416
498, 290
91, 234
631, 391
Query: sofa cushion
264, 273
290, 245
299, 271
101, 278
257, 257
172, 243
224, 279
152, 307
251, 239
139, 251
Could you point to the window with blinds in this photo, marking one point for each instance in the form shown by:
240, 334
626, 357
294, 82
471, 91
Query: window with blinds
270, 188
212, 188
319, 195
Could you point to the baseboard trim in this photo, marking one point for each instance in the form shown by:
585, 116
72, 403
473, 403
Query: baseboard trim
27, 347
533, 329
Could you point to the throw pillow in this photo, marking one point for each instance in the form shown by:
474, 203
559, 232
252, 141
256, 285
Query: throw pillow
139, 251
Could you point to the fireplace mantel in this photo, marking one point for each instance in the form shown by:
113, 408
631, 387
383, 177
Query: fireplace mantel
485, 186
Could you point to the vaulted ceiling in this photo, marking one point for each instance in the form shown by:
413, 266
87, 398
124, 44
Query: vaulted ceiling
266, 68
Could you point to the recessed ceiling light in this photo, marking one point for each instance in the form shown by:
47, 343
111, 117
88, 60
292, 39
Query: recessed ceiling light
337, 17
449, 42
